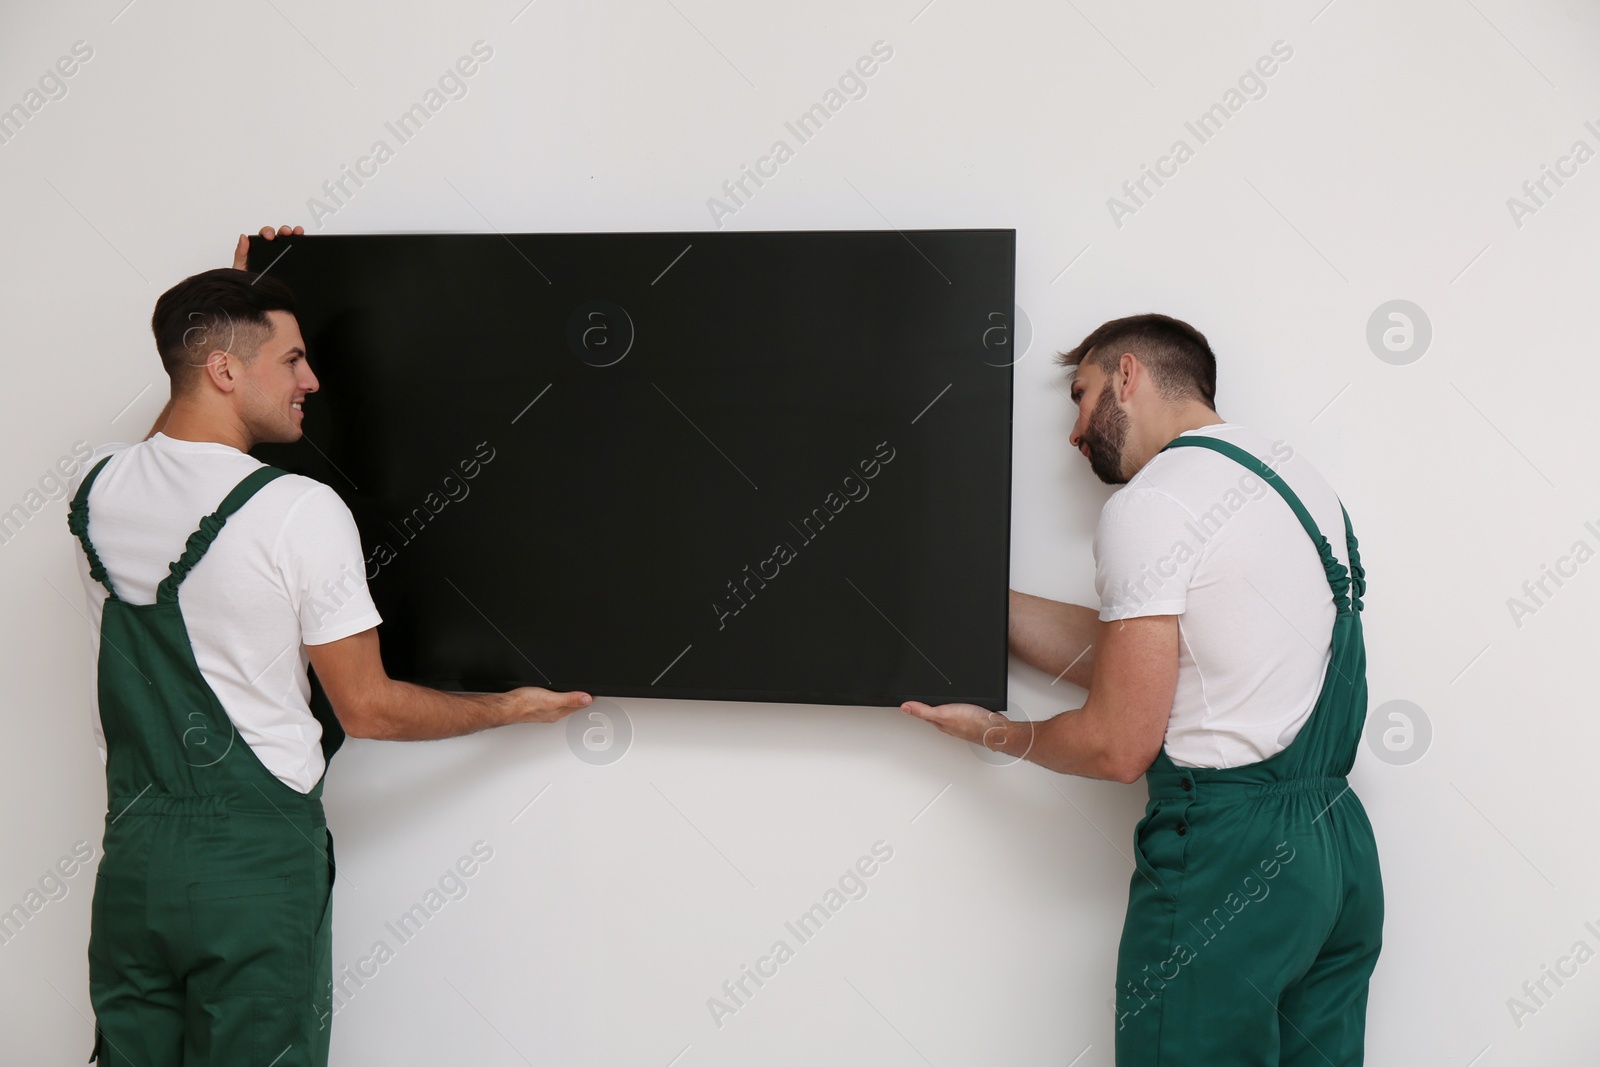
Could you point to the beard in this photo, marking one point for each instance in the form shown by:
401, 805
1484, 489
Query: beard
1104, 438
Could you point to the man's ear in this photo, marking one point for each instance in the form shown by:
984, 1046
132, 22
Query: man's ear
1128, 370
220, 368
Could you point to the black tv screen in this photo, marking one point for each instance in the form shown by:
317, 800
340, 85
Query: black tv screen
770, 466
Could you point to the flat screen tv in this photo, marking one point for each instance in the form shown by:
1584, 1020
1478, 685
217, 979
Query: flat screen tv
769, 466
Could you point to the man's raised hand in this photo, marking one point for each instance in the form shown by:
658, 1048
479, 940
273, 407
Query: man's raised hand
241, 251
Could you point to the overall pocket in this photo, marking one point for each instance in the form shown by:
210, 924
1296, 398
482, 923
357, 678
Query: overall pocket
249, 939
1161, 839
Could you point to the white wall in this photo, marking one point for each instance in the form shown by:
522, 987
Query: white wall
1376, 167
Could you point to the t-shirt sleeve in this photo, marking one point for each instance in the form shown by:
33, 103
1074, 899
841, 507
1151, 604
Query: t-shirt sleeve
319, 556
1145, 553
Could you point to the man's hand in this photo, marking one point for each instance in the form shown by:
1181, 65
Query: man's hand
241, 251
532, 704
969, 722
1120, 729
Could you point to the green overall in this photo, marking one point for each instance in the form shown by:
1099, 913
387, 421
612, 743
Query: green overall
209, 941
1255, 914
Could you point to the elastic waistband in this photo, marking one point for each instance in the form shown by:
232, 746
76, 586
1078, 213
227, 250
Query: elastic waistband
140, 805
1184, 785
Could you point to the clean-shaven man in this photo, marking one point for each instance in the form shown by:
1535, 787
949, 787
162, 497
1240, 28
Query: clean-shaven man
213, 581
1226, 665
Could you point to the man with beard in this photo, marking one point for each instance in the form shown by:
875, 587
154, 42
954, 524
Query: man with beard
1226, 665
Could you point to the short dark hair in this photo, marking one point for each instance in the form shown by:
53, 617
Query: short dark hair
222, 308
1177, 355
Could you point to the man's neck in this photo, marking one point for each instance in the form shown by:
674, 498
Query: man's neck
1190, 417
188, 424
1194, 420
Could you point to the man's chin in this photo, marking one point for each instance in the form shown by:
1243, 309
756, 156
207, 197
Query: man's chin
280, 435
1109, 477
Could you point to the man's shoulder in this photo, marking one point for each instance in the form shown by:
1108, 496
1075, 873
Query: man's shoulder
92, 460
289, 500
1206, 482
285, 495
1140, 507
301, 494
303, 512
1183, 471
1180, 484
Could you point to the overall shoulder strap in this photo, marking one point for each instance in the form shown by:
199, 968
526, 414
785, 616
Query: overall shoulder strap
78, 523
1358, 574
210, 526
1338, 576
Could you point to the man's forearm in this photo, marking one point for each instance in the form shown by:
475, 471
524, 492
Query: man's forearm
400, 711
1057, 638
1068, 743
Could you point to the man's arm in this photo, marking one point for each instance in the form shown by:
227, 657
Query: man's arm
371, 704
1057, 638
1120, 728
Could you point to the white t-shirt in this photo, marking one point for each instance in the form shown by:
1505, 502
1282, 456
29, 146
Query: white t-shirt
1198, 535
285, 571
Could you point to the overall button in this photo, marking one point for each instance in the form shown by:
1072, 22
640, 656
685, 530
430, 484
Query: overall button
1182, 829
1187, 785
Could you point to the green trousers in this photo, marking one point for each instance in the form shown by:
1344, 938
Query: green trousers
209, 940
1255, 914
